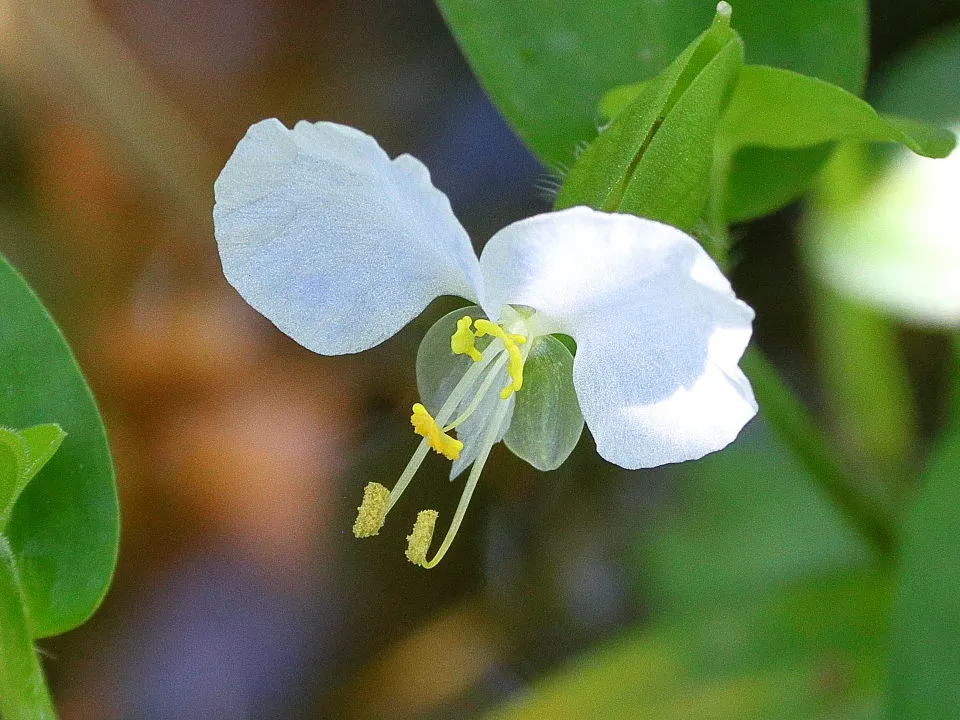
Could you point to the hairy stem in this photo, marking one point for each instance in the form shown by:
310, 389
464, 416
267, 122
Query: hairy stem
23, 690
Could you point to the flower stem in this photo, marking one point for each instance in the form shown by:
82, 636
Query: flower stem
23, 690
870, 511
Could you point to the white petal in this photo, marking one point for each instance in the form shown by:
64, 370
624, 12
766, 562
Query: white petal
658, 329
330, 239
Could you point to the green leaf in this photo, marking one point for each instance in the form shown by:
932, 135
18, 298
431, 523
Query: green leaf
763, 179
923, 82
925, 637
547, 422
22, 455
781, 109
656, 157
774, 111
23, 691
811, 653
547, 64
65, 525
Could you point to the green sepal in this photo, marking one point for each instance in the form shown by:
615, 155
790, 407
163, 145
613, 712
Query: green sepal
547, 422
22, 455
655, 158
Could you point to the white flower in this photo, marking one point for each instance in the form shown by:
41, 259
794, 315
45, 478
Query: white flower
340, 247
897, 248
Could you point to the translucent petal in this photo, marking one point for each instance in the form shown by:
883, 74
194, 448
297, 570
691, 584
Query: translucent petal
439, 371
330, 239
546, 421
658, 329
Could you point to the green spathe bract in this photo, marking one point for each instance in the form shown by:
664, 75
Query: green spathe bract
688, 149
655, 157
547, 65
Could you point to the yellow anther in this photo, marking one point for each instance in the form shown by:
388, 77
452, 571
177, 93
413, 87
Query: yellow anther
461, 342
510, 342
372, 510
418, 541
425, 426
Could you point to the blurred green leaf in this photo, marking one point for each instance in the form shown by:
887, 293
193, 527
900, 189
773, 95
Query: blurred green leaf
22, 454
764, 179
925, 637
922, 82
656, 157
546, 65
65, 525
750, 522
813, 652
782, 109
23, 692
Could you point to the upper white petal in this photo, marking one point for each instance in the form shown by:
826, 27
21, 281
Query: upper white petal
333, 241
659, 331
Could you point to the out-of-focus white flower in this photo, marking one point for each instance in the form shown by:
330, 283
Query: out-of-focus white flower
898, 247
340, 247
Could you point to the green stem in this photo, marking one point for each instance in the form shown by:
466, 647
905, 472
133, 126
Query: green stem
23, 690
866, 384
953, 407
868, 510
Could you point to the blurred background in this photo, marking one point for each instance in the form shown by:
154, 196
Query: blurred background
241, 457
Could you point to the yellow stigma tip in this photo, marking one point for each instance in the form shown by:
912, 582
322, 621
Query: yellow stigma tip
425, 426
418, 541
510, 342
461, 342
372, 511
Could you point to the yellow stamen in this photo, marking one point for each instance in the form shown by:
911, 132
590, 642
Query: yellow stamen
461, 342
425, 426
372, 511
510, 342
418, 541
